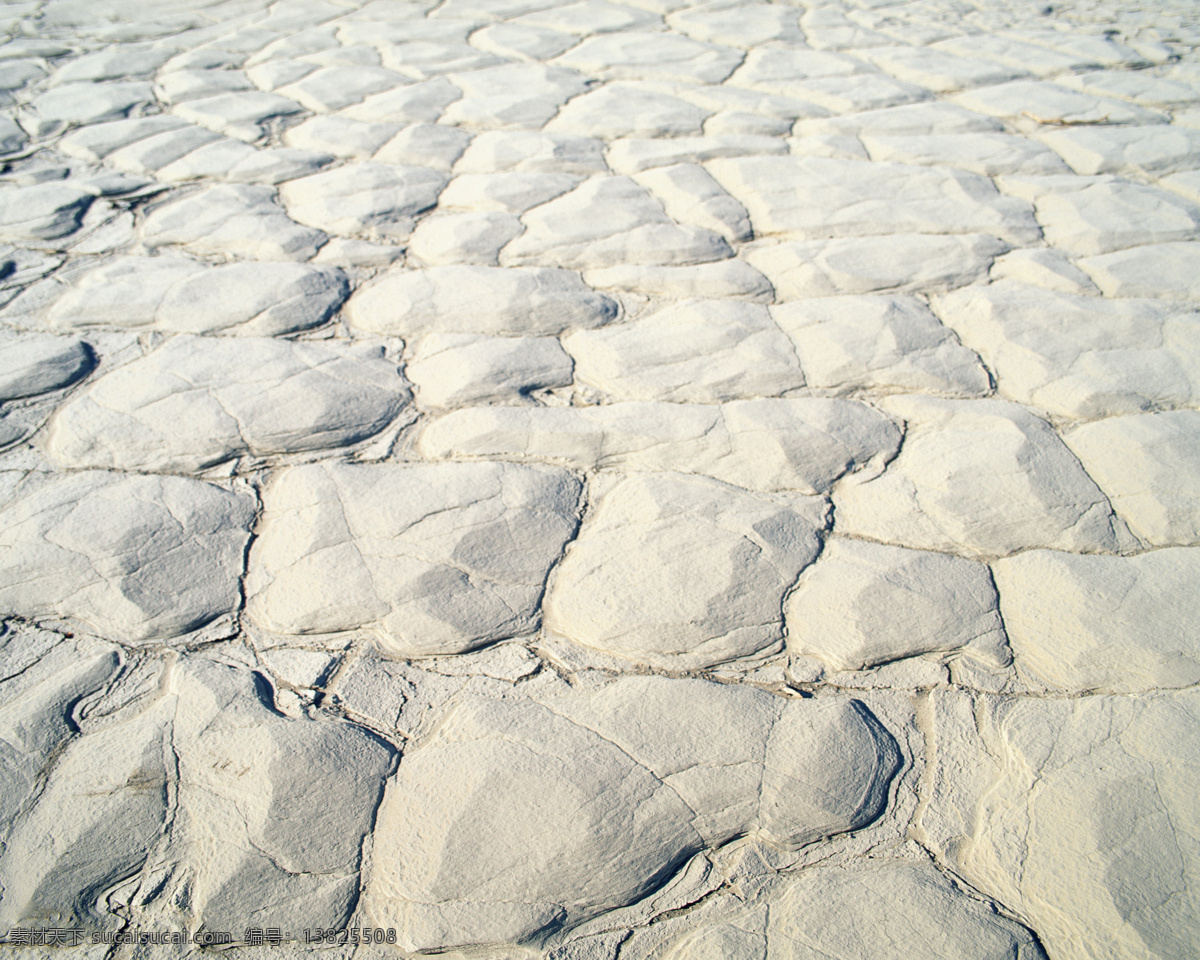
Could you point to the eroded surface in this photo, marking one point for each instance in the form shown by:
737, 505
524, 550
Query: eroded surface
602, 480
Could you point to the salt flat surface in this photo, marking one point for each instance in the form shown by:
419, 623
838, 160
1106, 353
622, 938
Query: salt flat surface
601, 479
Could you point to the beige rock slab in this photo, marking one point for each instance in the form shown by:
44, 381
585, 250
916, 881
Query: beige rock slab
1033, 102
1186, 184
423, 145
1081, 47
157, 152
119, 292
243, 116
628, 110
41, 211
76, 104
521, 41
934, 118
1045, 268
1154, 150
197, 401
745, 25
333, 87
1149, 465
984, 153
698, 351
690, 195
456, 369
1115, 624
423, 59
239, 220
652, 56
890, 343
847, 94
590, 16
1078, 356
682, 572
137, 558
781, 69
607, 221
370, 201
435, 558
938, 70
632, 154
97, 140
45, 675
35, 363
863, 604
511, 192
342, 136
516, 96
744, 122
978, 478
1170, 271
856, 265
765, 445
523, 301
828, 28
732, 279
67, 843
181, 296
422, 102
12, 136
1114, 214
877, 910
530, 151
189, 767
1077, 814
238, 163
1140, 86
816, 197
466, 237
268, 803
565, 808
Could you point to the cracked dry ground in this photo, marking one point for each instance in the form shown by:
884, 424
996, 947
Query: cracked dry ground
602, 480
